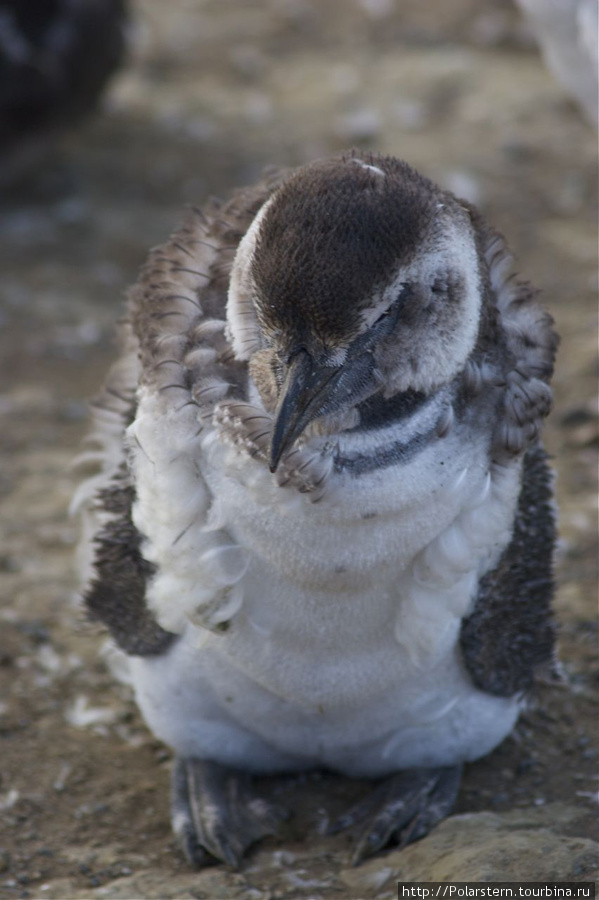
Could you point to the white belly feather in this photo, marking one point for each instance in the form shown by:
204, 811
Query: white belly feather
343, 616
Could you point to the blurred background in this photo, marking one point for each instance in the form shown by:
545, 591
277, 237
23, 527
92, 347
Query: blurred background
203, 95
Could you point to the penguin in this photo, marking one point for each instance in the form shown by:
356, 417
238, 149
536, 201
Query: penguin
566, 31
321, 524
56, 57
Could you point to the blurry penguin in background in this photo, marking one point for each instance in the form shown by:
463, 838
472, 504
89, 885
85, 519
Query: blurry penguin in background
567, 32
56, 57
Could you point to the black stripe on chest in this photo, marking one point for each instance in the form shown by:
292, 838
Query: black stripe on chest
378, 413
397, 453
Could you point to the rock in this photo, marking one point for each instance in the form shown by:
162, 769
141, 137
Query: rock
368, 878
59, 889
521, 845
207, 884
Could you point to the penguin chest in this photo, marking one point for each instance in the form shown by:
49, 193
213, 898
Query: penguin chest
347, 600
342, 624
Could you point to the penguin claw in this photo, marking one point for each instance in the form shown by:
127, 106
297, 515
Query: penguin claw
215, 814
403, 808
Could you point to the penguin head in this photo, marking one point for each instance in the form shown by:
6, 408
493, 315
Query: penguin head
357, 276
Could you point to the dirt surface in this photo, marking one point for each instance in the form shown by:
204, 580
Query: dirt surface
212, 93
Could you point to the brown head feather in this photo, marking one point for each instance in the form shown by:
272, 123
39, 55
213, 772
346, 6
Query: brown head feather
333, 232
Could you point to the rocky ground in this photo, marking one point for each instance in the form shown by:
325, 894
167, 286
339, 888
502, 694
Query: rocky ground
212, 93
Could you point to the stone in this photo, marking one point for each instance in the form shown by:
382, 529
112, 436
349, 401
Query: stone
521, 845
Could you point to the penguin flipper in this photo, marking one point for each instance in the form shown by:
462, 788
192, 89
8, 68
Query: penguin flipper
401, 809
216, 813
510, 634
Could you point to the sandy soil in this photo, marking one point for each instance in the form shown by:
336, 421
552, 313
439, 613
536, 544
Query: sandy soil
212, 93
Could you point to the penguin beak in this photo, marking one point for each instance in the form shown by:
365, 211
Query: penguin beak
306, 393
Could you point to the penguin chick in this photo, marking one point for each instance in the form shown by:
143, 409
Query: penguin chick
323, 519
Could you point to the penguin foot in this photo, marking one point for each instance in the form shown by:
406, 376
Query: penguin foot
215, 813
401, 809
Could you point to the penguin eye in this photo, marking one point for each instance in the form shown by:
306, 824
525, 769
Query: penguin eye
448, 285
440, 285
